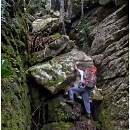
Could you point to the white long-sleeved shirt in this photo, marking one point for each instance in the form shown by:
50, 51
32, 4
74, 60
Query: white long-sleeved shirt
81, 74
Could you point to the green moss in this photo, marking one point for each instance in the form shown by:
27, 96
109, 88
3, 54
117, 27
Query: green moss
10, 50
32, 59
56, 78
13, 43
50, 76
103, 115
56, 35
56, 112
62, 115
13, 97
31, 9
15, 105
5, 39
69, 47
105, 119
58, 126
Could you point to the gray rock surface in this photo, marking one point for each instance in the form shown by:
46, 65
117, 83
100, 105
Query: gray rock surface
117, 2
109, 30
103, 33
44, 24
56, 73
60, 43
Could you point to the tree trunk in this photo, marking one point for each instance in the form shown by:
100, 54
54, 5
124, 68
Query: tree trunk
69, 9
62, 12
62, 15
82, 7
49, 4
39, 4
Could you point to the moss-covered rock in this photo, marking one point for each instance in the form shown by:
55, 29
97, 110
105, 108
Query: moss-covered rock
15, 105
58, 126
115, 99
60, 43
58, 110
56, 73
44, 24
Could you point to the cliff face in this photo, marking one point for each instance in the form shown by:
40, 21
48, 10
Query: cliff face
15, 103
103, 33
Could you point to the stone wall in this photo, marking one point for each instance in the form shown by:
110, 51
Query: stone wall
15, 103
103, 33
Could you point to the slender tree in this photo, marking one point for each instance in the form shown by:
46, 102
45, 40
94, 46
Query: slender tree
82, 7
62, 15
62, 12
69, 9
49, 5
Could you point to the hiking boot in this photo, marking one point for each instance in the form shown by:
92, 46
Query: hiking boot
89, 116
70, 102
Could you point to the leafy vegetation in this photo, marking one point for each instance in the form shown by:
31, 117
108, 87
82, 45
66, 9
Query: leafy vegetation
4, 11
31, 9
4, 72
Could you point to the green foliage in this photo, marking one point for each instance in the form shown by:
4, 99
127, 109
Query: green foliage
31, 9
58, 126
14, 22
4, 11
103, 115
105, 119
14, 88
4, 72
56, 35
79, 2
43, 3
7, 12
62, 114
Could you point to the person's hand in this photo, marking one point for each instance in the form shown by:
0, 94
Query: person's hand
75, 67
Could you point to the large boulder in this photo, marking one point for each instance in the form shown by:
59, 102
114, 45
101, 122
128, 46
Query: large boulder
60, 43
56, 73
59, 110
48, 24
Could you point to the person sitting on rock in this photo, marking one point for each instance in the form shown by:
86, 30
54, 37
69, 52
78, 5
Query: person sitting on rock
80, 90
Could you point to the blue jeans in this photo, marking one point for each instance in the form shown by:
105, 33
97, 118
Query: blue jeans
85, 96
